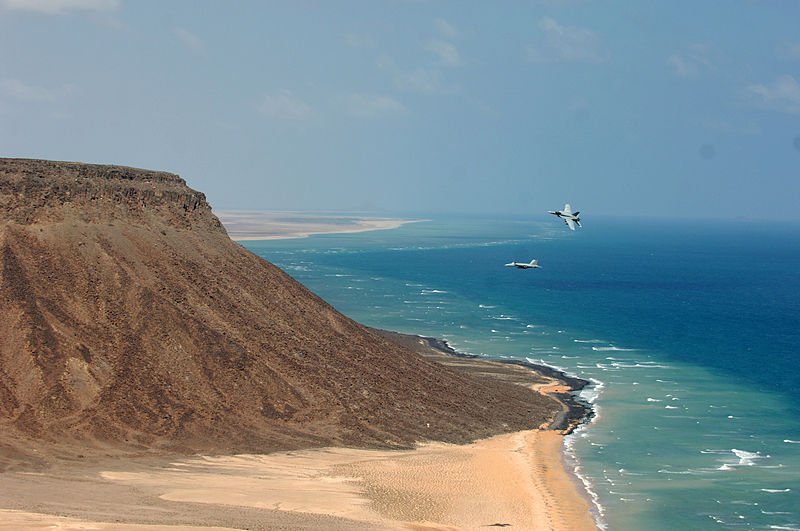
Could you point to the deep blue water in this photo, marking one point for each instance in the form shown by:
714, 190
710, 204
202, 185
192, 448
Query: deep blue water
689, 328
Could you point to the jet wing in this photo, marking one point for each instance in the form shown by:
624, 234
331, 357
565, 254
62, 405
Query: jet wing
567, 209
570, 223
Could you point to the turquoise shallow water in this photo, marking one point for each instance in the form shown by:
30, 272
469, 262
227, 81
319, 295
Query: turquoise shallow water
689, 331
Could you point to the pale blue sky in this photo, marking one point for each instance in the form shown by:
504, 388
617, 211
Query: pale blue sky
688, 109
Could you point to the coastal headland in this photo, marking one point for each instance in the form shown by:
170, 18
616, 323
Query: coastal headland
155, 373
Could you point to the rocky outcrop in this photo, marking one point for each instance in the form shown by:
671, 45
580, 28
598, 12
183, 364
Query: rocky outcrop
38, 190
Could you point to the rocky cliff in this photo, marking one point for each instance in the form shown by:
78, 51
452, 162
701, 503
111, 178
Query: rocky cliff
39, 190
128, 318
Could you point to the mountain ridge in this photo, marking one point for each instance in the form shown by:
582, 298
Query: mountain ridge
129, 318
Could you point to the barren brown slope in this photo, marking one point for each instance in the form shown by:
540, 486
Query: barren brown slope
128, 317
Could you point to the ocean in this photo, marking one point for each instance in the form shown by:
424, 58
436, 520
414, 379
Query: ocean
689, 331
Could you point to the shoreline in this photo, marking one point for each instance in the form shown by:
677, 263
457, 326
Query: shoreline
275, 225
577, 415
511, 480
578, 412
518, 479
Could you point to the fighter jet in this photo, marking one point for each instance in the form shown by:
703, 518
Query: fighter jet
569, 218
522, 265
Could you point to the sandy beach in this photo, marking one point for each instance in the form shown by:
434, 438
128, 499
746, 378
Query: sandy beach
244, 225
515, 480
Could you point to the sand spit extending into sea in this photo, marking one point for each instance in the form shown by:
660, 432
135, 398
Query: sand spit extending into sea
251, 226
516, 480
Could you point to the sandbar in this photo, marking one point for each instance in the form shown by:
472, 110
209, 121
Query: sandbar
274, 225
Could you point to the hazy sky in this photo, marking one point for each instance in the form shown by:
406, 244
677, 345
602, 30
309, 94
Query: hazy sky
644, 107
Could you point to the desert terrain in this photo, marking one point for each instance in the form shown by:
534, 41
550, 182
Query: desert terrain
154, 372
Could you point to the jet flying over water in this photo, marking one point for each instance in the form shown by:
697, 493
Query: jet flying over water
533, 264
570, 218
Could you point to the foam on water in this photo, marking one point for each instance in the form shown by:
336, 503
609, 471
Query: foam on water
589, 395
